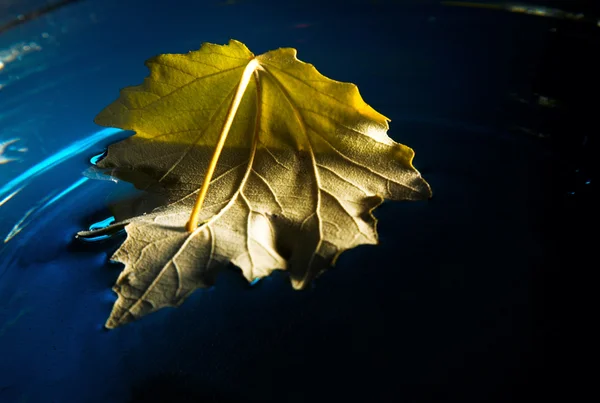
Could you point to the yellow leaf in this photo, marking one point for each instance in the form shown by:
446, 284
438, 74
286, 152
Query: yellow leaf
304, 164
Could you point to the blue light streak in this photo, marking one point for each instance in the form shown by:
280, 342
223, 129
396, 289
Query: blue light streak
64, 192
34, 211
61, 156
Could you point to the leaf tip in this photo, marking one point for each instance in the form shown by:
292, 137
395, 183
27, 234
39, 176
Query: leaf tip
298, 284
235, 43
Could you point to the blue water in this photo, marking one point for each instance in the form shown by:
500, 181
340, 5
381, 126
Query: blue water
446, 308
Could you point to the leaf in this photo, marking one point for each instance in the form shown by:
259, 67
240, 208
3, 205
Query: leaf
305, 162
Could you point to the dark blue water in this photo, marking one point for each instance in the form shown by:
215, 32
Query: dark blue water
452, 305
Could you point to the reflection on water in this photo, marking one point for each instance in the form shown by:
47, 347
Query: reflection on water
55, 159
46, 202
101, 225
15, 53
523, 8
5, 147
96, 158
11, 190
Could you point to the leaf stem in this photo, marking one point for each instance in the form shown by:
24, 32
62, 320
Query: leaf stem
192, 223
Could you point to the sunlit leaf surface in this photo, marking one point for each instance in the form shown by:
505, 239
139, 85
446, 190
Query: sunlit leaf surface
305, 163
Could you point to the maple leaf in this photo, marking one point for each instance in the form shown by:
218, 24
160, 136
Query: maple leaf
302, 162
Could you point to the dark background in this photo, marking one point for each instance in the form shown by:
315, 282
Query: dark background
478, 295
